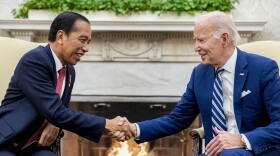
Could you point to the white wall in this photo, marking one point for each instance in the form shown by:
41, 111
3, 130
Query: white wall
263, 10
6, 7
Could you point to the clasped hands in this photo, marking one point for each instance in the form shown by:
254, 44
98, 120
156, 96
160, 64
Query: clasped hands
120, 128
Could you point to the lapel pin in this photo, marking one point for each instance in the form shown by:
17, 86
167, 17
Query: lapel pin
241, 74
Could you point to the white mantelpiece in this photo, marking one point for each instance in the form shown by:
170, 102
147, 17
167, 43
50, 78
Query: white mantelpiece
136, 40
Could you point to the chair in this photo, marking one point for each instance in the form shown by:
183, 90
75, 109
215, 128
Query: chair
12, 50
270, 49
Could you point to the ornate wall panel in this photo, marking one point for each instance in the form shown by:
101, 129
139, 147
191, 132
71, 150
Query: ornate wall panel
142, 46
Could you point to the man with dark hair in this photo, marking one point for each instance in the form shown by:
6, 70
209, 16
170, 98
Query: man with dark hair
65, 22
40, 90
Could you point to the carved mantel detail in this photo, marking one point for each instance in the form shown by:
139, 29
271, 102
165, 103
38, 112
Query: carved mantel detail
142, 46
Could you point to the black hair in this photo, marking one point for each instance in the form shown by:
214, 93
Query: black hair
64, 21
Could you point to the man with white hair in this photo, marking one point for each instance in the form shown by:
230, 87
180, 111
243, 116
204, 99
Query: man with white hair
236, 93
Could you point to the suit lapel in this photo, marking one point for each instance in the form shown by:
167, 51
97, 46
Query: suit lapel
239, 81
205, 91
54, 75
67, 84
207, 86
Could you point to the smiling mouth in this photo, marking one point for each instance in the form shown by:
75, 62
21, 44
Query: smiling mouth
80, 55
202, 57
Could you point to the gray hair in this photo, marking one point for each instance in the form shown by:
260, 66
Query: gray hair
221, 23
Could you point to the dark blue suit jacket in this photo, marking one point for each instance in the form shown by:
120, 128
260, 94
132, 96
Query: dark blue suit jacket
257, 114
31, 98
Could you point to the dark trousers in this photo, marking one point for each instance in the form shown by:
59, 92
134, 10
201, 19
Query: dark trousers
14, 150
244, 152
38, 152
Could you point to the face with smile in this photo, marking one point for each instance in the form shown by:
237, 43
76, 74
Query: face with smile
74, 45
208, 46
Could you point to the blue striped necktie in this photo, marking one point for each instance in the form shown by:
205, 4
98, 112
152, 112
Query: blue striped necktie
218, 115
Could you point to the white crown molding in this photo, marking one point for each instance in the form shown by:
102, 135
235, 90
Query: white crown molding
40, 20
158, 26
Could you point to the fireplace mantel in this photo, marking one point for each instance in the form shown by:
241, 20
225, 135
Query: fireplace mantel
39, 21
120, 36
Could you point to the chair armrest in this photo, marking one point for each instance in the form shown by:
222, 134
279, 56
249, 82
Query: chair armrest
197, 133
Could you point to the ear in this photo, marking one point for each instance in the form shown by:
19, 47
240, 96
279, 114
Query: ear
225, 39
59, 36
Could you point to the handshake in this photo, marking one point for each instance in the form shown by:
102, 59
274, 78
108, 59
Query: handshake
120, 128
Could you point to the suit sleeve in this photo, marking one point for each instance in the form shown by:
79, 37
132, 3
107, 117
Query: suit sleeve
264, 138
35, 81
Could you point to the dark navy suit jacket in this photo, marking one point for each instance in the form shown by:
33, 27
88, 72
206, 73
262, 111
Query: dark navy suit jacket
31, 98
257, 114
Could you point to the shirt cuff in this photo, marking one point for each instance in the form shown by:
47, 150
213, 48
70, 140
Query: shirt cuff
248, 145
137, 137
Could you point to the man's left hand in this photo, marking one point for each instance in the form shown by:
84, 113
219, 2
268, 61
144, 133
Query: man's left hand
223, 140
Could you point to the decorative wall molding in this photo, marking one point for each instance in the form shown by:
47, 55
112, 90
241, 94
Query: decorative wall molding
27, 35
143, 46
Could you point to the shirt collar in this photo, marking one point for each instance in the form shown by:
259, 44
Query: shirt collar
58, 64
230, 64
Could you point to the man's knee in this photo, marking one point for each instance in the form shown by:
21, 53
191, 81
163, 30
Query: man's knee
236, 152
44, 153
6, 153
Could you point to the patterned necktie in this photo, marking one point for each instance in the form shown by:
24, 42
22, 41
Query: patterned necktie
218, 116
36, 136
61, 75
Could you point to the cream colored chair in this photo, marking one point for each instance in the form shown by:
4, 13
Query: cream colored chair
11, 51
270, 49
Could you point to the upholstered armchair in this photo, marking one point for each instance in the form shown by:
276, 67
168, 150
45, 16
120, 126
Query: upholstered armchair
11, 51
270, 49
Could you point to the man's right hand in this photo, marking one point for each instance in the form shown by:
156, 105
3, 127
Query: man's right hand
119, 128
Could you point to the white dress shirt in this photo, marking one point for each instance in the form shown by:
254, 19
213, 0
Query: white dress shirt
228, 88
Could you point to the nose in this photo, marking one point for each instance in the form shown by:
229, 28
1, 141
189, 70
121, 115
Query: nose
197, 47
86, 48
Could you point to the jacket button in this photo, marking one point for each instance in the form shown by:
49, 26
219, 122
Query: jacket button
15, 144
